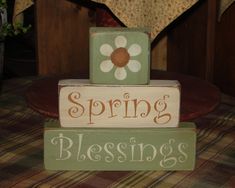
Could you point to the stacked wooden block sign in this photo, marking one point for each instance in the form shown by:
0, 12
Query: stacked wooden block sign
119, 119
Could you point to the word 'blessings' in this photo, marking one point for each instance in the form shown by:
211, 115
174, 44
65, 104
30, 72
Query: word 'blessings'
124, 107
169, 153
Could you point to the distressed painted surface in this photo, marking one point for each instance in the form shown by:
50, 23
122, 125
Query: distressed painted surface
154, 105
120, 149
119, 56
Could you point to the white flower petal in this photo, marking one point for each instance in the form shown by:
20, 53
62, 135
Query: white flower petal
134, 65
120, 73
134, 50
120, 41
106, 65
106, 49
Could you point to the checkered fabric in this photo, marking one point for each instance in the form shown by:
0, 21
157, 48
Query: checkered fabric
21, 151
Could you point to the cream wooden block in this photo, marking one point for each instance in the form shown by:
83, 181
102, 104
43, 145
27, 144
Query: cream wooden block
82, 104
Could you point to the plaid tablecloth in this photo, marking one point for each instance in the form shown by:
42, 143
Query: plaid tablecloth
21, 151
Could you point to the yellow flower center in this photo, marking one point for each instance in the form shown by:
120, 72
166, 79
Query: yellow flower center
120, 57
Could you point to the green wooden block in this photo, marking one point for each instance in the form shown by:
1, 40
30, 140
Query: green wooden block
119, 56
120, 149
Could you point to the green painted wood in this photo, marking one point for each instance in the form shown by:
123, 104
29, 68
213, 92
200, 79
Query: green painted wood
97, 105
119, 55
120, 149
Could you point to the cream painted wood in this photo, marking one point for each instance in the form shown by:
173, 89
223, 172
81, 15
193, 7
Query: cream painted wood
82, 104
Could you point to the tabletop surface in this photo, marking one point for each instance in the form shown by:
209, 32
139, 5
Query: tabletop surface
21, 151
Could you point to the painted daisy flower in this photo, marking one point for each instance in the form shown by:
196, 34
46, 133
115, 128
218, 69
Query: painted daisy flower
120, 57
